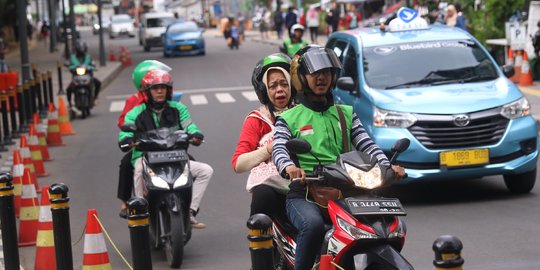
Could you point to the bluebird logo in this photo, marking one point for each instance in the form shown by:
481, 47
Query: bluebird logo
407, 14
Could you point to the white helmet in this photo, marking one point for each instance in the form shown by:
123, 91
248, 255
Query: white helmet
297, 27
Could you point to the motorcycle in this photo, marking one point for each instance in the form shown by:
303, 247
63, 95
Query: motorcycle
83, 88
168, 182
365, 231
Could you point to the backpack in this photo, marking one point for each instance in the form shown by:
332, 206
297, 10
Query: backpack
536, 40
278, 18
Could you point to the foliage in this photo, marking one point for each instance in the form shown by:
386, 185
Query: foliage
488, 22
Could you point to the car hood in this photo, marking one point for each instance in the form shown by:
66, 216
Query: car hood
185, 35
122, 25
155, 31
448, 99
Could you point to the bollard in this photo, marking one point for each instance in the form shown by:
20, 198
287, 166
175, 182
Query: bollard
61, 227
21, 108
34, 71
139, 234
260, 242
9, 225
50, 88
39, 87
5, 122
45, 97
12, 113
447, 250
31, 104
60, 84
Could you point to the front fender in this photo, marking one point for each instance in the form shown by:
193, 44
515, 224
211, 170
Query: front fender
384, 255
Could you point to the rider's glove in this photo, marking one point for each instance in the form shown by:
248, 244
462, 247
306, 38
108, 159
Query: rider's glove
126, 144
197, 139
198, 135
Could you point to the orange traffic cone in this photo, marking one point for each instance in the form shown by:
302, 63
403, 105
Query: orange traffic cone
45, 257
54, 138
28, 219
525, 78
517, 67
510, 62
63, 119
17, 171
42, 141
25, 154
111, 54
128, 61
35, 151
95, 251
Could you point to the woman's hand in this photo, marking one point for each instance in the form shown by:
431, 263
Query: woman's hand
399, 172
269, 148
296, 174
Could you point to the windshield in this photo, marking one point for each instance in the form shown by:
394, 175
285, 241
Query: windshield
159, 22
426, 63
183, 27
122, 20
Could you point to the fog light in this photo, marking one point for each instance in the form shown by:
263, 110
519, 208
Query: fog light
528, 146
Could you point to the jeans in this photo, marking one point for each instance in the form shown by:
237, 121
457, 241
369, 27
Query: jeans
307, 219
3, 66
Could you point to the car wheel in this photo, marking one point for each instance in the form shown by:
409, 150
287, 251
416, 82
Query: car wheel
202, 53
147, 48
111, 36
166, 55
520, 183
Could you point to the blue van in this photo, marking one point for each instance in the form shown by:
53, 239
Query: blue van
439, 87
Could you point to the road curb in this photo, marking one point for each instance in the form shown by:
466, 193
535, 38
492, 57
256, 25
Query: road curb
108, 78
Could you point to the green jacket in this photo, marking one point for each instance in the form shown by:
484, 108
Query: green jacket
321, 129
74, 61
292, 48
174, 114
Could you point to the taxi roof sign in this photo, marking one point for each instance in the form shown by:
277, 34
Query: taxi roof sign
407, 19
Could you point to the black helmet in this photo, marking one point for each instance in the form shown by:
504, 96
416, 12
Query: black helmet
312, 59
273, 60
80, 47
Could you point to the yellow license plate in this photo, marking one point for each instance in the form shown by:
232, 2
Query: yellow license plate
185, 47
464, 158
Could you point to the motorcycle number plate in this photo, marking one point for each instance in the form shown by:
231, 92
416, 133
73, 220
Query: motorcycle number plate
375, 206
167, 156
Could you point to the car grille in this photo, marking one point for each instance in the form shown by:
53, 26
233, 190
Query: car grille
440, 132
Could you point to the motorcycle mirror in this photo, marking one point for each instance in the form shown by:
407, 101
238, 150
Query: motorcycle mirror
298, 146
128, 128
398, 147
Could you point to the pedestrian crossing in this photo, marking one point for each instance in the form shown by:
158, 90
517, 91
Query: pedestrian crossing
201, 99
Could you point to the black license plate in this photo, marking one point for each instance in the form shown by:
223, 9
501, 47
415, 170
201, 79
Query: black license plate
167, 156
377, 206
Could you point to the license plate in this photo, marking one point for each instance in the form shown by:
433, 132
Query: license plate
167, 156
184, 47
464, 158
378, 206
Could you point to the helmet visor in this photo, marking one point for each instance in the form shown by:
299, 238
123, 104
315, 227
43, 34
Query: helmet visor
323, 58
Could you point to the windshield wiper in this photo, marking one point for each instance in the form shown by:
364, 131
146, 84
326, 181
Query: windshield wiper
429, 81
475, 78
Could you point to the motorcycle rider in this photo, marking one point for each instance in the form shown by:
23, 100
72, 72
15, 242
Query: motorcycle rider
295, 42
125, 175
314, 71
271, 82
80, 57
159, 111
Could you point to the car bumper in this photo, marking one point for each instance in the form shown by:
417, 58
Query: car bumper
154, 42
123, 33
185, 48
508, 156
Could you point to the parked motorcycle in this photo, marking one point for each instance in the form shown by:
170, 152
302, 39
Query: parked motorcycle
366, 231
168, 183
84, 89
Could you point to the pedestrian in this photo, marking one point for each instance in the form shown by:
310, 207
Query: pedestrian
354, 17
265, 23
453, 19
3, 52
290, 19
29, 29
234, 34
312, 22
335, 17
278, 23
44, 32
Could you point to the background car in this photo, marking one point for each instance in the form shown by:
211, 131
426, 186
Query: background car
184, 38
121, 25
60, 33
152, 26
105, 22
439, 87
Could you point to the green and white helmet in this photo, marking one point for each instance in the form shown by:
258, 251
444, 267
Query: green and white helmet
144, 67
273, 60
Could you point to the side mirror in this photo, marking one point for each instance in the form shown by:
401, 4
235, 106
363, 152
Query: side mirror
346, 83
283, 50
508, 70
298, 146
128, 128
398, 147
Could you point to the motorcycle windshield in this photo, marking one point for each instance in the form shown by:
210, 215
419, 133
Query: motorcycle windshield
162, 139
381, 257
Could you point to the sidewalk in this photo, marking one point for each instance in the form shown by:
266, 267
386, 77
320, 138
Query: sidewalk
255, 35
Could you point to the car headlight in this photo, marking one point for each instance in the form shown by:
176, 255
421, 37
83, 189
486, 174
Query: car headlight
368, 180
383, 118
183, 178
96, 26
170, 40
516, 109
353, 231
156, 180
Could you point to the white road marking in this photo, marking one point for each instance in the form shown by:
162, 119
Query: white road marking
198, 99
225, 98
250, 95
117, 106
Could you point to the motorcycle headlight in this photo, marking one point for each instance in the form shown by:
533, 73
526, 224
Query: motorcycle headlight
156, 180
516, 109
80, 71
383, 118
368, 180
183, 178
353, 231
